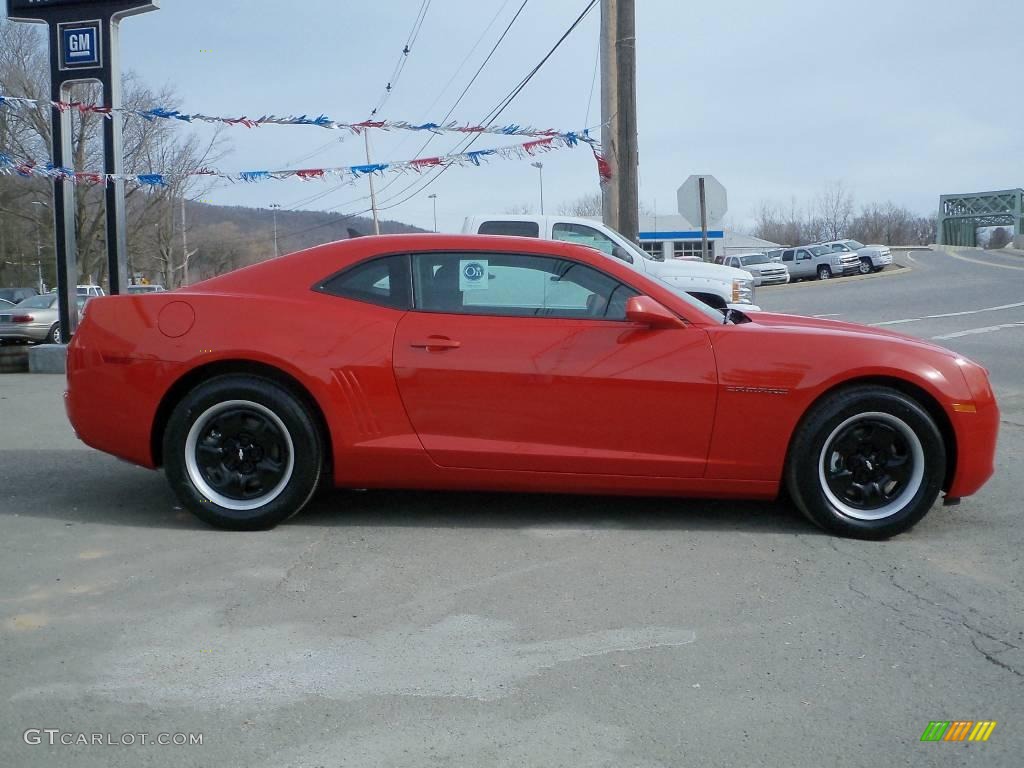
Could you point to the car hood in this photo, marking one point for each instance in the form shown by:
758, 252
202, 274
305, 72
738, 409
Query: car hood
774, 320
669, 269
762, 267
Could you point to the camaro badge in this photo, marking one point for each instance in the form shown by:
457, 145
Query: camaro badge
758, 390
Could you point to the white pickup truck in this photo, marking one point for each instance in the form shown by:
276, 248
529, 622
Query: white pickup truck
713, 284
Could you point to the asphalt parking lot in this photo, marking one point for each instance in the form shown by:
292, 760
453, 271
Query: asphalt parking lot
414, 629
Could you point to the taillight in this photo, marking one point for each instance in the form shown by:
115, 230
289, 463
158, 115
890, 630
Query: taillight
22, 319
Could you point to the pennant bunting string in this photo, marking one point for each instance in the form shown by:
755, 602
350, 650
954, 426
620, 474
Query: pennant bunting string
321, 121
30, 169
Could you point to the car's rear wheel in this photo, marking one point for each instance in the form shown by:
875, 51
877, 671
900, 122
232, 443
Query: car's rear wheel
867, 462
242, 453
54, 336
866, 267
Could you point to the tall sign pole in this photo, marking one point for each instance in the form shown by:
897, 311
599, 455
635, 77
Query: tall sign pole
703, 220
84, 47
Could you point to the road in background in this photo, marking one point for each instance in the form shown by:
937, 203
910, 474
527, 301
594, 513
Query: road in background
430, 629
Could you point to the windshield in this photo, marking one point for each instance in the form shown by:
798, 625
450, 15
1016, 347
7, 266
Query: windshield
757, 258
855, 245
38, 302
819, 250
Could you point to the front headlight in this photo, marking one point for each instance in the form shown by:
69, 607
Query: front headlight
742, 291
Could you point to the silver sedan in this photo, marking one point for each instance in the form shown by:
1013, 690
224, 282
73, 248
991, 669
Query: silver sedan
34, 319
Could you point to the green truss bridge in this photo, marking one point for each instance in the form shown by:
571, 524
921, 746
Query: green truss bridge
961, 215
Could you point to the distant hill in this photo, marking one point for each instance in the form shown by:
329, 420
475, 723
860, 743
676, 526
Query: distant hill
295, 229
228, 237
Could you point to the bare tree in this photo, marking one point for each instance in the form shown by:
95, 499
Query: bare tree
835, 211
149, 145
587, 205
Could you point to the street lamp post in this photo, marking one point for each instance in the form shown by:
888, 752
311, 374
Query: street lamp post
434, 199
39, 247
540, 168
275, 208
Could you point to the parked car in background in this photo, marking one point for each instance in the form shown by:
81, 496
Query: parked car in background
91, 290
764, 270
873, 258
145, 288
716, 285
775, 254
14, 295
34, 319
819, 261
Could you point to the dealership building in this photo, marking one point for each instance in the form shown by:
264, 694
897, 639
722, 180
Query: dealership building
677, 236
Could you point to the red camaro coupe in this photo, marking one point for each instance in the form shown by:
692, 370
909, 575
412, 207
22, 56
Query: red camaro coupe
513, 364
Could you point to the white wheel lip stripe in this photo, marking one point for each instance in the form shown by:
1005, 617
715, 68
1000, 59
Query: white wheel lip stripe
196, 476
913, 485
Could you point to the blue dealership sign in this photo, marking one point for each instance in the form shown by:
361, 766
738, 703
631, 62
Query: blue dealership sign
80, 45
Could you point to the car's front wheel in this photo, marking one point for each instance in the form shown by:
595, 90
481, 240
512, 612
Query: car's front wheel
866, 267
242, 452
867, 462
824, 273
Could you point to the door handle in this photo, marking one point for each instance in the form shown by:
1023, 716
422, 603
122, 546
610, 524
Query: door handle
436, 344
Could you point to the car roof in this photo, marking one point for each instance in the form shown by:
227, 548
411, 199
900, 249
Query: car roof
295, 274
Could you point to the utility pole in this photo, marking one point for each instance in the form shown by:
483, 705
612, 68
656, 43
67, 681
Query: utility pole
610, 111
373, 192
628, 170
275, 207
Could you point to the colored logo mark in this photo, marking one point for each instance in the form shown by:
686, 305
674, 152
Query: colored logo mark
473, 271
958, 730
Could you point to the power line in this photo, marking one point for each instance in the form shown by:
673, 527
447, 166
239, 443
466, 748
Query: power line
495, 113
489, 120
403, 57
472, 80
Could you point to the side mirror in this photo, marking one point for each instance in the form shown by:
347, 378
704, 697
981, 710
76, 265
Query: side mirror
647, 311
621, 253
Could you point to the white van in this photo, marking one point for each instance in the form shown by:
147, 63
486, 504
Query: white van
713, 284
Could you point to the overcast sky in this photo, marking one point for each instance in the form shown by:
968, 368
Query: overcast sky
899, 99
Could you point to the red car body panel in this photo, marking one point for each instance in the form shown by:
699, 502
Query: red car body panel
514, 403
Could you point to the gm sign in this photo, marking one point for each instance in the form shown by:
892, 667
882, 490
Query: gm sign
80, 45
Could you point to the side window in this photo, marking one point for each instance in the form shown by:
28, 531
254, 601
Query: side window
383, 281
590, 237
513, 228
836, 248
516, 285
802, 254
787, 255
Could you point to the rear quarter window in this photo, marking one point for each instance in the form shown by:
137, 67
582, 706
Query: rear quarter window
511, 228
385, 281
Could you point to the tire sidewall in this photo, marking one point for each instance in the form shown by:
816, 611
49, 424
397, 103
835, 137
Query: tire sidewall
803, 477
306, 445
824, 273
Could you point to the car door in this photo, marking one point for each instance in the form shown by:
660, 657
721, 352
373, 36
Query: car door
526, 362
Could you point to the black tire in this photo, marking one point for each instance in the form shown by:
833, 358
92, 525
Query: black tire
862, 418
824, 273
53, 337
866, 267
279, 453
